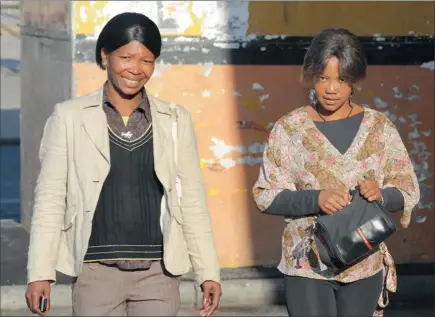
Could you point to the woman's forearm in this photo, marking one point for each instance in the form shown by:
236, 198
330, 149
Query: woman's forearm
295, 203
392, 199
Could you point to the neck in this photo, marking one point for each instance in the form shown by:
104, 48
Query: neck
125, 104
341, 113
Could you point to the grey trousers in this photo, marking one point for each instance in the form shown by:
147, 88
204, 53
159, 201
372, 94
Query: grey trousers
102, 290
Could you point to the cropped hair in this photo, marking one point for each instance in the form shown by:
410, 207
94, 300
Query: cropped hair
342, 44
124, 28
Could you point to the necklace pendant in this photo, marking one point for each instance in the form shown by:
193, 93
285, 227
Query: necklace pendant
127, 135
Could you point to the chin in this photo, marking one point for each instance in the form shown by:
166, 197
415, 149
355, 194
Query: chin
330, 108
128, 91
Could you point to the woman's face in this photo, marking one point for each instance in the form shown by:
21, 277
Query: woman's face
129, 67
331, 90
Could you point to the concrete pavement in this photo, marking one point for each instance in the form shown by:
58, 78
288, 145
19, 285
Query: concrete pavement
248, 311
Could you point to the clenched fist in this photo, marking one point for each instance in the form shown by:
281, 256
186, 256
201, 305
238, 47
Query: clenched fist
331, 201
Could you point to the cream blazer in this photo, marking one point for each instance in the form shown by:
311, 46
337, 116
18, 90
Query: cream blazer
75, 161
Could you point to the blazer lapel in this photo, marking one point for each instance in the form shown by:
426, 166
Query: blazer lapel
162, 139
95, 123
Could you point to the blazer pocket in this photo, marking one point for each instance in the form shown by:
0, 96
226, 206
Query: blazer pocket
70, 214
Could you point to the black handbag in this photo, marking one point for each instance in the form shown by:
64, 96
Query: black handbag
353, 233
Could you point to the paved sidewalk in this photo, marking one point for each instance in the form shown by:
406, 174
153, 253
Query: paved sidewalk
247, 311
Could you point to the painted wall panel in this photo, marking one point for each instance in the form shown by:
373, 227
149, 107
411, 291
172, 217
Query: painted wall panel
221, 96
46, 79
233, 107
365, 18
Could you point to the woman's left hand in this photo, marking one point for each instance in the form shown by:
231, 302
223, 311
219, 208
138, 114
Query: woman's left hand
212, 295
370, 190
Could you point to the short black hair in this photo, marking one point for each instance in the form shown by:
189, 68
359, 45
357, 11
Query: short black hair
342, 44
124, 28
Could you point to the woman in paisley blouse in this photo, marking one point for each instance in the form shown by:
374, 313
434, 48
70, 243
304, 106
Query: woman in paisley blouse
314, 157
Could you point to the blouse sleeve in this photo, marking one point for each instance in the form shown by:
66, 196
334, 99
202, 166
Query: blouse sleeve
399, 172
273, 177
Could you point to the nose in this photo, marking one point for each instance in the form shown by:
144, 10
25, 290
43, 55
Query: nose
135, 68
331, 87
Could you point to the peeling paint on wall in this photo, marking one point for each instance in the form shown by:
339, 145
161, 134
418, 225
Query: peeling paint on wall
247, 99
416, 141
429, 65
216, 20
227, 156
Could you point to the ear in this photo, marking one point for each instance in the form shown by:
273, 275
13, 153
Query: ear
104, 58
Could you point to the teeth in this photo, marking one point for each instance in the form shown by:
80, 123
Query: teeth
131, 81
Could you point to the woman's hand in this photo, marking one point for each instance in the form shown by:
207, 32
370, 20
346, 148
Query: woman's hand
212, 295
33, 296
331, 201
370, 190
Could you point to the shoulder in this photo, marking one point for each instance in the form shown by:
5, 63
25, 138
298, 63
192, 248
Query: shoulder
292, 121
170, 108
379, 119
166, 106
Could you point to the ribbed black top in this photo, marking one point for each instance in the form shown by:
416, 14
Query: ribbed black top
126, 224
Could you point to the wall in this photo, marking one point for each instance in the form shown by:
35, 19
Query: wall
46, 69
236, 67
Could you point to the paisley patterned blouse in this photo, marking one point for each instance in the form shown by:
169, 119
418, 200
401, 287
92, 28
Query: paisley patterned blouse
298, 156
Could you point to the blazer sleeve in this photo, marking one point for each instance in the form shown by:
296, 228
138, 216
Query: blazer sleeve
49, 201
399, 172
273, 178
197, 226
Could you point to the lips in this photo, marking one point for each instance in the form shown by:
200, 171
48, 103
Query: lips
330, 101
132, 83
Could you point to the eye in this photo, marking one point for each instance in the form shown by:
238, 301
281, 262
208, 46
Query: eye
322, 78
342, 81
125, 57
147, 61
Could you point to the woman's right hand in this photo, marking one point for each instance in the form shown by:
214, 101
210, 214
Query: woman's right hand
331, 201
33, 296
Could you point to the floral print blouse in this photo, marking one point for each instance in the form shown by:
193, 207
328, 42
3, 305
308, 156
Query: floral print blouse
298, 156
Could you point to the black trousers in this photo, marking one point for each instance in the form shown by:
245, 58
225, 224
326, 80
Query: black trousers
307, 297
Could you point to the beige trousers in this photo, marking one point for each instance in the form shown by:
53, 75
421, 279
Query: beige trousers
102, 290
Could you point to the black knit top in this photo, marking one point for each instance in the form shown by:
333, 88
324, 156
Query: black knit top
126, 224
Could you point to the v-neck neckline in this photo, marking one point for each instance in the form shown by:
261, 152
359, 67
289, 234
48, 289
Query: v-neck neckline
356, 140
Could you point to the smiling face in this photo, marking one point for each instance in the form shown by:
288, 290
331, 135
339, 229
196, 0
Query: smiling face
332, 91
129, 67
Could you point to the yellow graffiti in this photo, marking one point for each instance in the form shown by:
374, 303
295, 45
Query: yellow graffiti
88, 15
251, 104
253, 99
203, 163
201, 124
197, 22
368, 93
213, 192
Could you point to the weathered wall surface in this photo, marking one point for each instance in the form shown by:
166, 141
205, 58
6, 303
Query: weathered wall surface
46, 63
236, 66
213, 68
